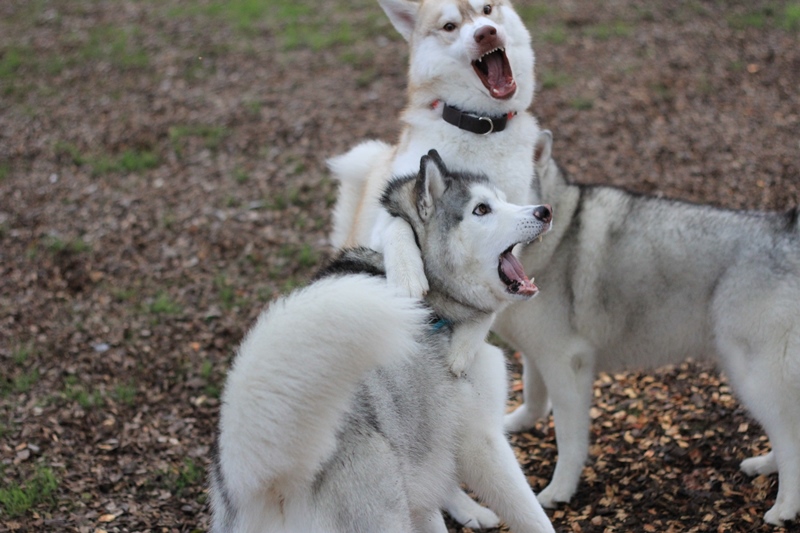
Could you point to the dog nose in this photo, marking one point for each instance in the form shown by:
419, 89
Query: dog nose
543, 213
485, 32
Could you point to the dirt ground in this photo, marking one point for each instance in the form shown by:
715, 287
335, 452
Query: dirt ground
162, 178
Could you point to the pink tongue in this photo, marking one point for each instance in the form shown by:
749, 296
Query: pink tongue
501, 83
512, 268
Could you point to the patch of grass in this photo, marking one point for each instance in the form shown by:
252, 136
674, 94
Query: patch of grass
241, 176
752, 19
791, 17
5, 170
54, 244
21, 354
70, 151
163, 304
125, 393
553, 80
127, 162
296, 23
116, 45
556, 34
226, 292
212, 136
532, 13
10, 61
582, 103
18, 499
607, 31
179, 479
25, 381
76, 392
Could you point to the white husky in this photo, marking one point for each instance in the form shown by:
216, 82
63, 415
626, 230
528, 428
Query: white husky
341, 414
633, 281
470, 82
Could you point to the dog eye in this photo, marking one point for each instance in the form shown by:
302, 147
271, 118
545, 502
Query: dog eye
487, 9
481, 209
449, 27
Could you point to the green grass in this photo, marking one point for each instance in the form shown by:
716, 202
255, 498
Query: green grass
25, 381
54, 244
791, 17
556, 34
10, 61
5, 170
226, 292
116, 45
17, 499
768, 16
582, 103
212, 136
163, 304
127, 162
553, 80
295, 23
76, 392
607, 31
125, 393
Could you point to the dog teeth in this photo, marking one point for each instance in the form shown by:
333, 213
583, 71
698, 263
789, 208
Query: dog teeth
500, 48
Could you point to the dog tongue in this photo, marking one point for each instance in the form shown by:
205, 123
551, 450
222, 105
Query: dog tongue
501, 81
512, 268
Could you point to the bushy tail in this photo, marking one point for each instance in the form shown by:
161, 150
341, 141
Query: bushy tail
296, 373
351, 170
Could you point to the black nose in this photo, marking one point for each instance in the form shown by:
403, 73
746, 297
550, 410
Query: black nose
543, 213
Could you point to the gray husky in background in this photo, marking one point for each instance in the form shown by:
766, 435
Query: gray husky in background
341, 413
636, 282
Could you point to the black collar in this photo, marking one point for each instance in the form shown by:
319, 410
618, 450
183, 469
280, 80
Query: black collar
475, 123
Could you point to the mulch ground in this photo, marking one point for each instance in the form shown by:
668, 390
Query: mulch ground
162, 178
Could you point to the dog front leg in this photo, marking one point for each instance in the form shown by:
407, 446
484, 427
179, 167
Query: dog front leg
465, 343
489, 467
403, 260
468, 512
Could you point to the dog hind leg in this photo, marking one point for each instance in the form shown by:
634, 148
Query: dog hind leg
535, 402
571, 401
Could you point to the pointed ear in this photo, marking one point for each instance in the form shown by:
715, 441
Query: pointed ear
542, 150
402, 14
430, 183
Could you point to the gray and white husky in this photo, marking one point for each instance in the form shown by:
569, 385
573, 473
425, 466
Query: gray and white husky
341, 413
636, 282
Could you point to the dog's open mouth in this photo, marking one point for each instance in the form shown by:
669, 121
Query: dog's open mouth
494, 71
513, 275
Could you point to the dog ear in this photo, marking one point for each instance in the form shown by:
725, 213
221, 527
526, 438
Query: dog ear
402, 14
543, 150
430, 183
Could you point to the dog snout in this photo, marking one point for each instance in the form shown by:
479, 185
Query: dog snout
485, 33
543, 213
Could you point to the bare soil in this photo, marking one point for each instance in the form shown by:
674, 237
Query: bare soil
162, 178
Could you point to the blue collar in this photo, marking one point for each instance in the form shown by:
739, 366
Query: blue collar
441, 323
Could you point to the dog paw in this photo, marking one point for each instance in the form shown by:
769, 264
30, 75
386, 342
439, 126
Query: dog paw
782, 512
551, 496
523, 418
760, 465
460, 362
409, 281
474, 516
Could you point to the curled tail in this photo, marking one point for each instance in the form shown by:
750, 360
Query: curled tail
294, 378
352, 170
